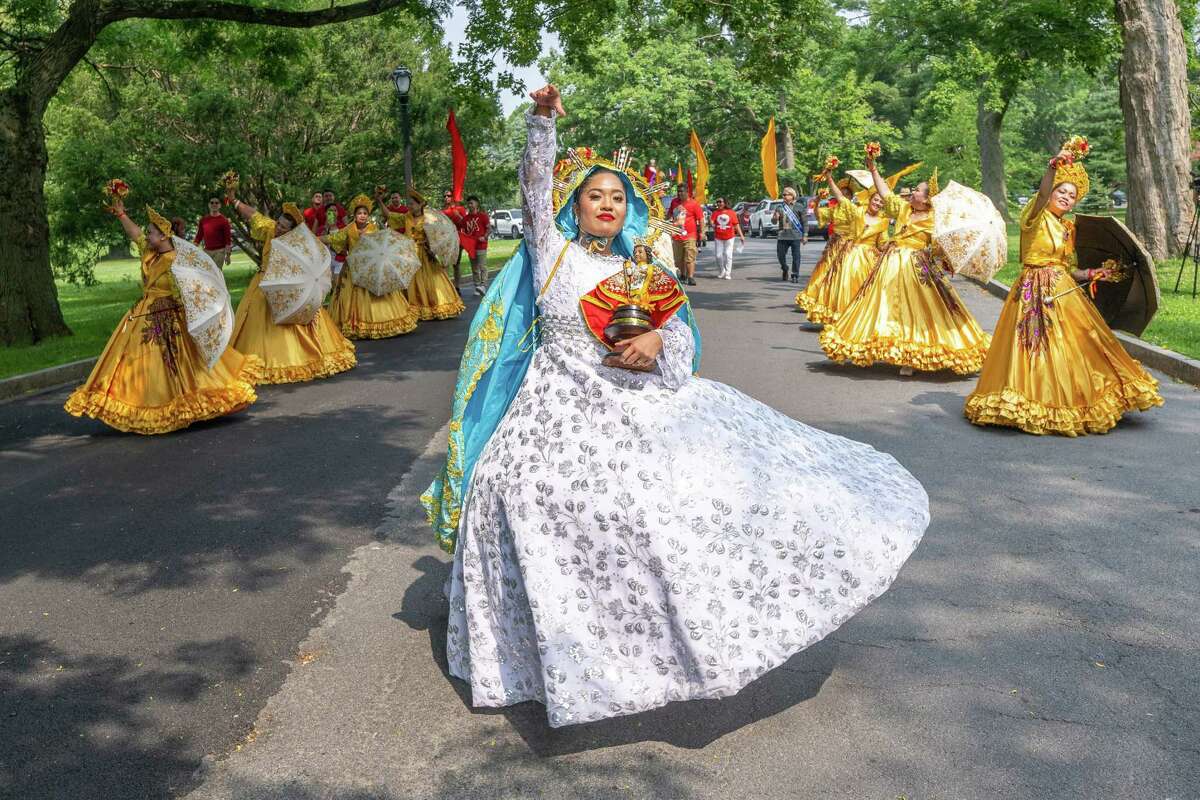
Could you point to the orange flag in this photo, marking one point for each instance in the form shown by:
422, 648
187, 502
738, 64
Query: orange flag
770, 162
701, 192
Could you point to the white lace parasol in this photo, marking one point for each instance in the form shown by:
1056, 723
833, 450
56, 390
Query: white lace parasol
970, 231
443, 237
296, 277
383, 262
206, 302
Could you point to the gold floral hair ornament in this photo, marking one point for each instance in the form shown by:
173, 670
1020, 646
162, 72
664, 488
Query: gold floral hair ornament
1070, 170
570, 172
362, 201
932, 183
159, 221
416, 196
292, 211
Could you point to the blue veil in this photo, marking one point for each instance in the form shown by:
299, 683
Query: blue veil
500, 346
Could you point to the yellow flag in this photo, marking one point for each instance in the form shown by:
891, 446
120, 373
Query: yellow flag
769, 162
701, 185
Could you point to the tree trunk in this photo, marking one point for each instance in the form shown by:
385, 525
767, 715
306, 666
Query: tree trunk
785, 134
1154, 101
988, 122
29, 309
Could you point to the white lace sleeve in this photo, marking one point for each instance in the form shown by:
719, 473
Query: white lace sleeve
675, 360
536, 175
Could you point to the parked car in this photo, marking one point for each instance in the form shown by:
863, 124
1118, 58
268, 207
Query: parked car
507, 223
762, 222
743, 210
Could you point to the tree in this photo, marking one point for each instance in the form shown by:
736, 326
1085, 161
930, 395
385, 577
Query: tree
1154, 98
43, 41
997, 48
42, 46
170, 119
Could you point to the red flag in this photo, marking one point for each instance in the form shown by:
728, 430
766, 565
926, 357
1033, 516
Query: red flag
458, 158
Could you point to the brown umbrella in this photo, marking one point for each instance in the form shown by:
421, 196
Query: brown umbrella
1131, 303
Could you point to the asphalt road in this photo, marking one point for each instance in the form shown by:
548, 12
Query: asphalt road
166, 598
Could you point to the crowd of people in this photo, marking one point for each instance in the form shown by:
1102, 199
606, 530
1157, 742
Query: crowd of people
152, 377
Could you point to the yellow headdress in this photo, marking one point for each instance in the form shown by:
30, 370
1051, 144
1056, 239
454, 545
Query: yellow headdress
891, 181
570, 172
933, 183
294, 213
159, 221
1075, 174
362, 201
413, 194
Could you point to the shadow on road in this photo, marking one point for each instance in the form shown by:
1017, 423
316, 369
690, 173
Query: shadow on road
75, 726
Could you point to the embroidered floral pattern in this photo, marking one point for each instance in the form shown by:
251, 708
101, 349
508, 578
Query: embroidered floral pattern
1037, 304
160, 326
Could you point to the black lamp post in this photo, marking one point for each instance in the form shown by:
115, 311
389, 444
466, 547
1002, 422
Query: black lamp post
402, 78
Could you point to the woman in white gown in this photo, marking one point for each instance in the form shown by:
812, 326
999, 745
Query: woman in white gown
623, 539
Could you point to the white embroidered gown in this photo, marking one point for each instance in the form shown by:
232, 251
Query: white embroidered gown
630, 538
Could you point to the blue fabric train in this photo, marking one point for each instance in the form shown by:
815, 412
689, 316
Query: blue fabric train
500, 346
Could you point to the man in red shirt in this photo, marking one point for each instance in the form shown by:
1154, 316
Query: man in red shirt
475, 226
458, 215
314, 215
725, 227
687, 214
214, 235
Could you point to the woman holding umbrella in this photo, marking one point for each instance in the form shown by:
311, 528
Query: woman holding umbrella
907, 313
360, 314
1055, 366
152, 377
431, 293
290, 352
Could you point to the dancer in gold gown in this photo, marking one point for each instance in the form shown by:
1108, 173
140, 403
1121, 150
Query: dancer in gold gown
151, 377
865, 229
906, 312
290, 352
360, 314
808, 299
431, 294
1055, 366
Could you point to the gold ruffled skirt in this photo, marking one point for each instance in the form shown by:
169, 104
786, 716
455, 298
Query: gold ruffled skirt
289, 353
907, 314
362, 315
831, 296
151, 378
835, 249
432, 295
1056, 367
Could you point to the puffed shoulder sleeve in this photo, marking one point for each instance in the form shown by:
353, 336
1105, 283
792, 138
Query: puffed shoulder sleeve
679, 348
894, 206
262, 227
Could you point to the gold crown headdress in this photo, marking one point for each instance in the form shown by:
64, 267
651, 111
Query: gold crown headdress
932, 184
362, 201
159, 221
1072, 171
413, 194
570, 172
292, 211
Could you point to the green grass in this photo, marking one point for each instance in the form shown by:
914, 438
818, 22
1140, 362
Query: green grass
92, 312
1176, 326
